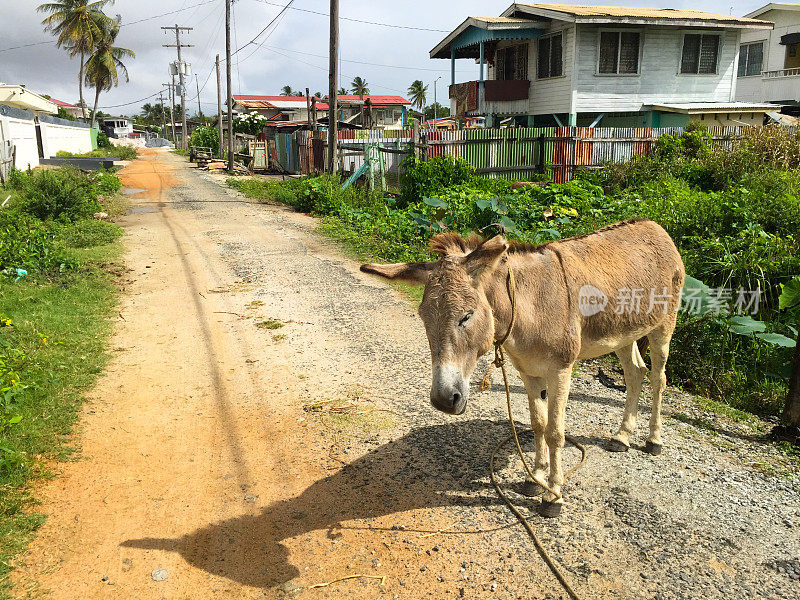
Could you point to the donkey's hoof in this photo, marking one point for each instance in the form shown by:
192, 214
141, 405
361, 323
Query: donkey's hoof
654, 449
613, 445
550, 510
530, 488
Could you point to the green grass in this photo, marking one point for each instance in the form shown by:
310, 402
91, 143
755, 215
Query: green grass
62, 325
118, 152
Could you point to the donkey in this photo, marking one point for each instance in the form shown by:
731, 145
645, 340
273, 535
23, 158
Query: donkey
576, 299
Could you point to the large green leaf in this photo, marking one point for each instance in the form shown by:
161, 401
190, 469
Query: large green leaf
745, 325
777, 339
790, 296
435, 202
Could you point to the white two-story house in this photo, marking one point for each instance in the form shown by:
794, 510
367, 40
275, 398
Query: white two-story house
769, 60
551, 64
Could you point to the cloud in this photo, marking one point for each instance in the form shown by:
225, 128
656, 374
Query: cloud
292, 52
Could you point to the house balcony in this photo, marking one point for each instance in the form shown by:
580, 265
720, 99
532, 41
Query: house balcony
781, 85
490, 97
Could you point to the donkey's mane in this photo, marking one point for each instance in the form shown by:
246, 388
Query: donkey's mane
451, 242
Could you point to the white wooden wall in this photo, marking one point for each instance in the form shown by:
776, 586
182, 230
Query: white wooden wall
22, 134
659, 79
58, 137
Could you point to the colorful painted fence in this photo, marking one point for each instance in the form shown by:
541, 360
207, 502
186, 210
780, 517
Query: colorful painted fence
514, 154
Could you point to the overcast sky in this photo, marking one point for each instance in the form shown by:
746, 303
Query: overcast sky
293, 50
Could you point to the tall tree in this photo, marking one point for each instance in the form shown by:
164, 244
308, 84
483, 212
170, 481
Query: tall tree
418, 93
78, 24
105, 64
359, 87
287, 91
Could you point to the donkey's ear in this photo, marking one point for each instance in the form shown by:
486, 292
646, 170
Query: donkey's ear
486, 257
416, 273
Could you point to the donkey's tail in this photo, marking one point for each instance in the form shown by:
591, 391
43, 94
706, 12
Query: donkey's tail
639, 347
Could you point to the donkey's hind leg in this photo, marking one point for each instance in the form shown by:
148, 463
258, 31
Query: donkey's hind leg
634, 368
659, 351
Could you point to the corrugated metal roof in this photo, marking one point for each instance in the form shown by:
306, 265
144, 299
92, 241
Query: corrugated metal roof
62, 103
505, 20
593, 13
631, 11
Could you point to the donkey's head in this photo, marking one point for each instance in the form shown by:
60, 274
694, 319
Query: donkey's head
457, 316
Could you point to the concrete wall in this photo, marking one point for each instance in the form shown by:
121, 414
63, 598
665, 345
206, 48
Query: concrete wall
18, 127
63, 135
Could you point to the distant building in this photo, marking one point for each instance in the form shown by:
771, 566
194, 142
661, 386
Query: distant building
18, 96
378, 111
769, 60
116, 127
72, 109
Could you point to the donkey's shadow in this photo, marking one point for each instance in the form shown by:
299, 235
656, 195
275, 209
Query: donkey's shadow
432, 466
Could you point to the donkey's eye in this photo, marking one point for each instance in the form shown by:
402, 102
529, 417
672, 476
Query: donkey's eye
464, 319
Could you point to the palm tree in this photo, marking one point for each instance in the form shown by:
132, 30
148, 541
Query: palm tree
318, 94
359, 87
78, 25
104, 65
288, 91
341, 92
418, 93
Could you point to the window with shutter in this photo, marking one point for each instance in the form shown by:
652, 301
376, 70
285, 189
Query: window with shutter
500, 64
543, 59
549, 60
609, 49
556, 64
629, 53
741, 71
700, 54
690, 57
755, 58
521, 62
709, 49
619, 53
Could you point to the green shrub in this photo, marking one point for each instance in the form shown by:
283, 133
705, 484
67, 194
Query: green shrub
106, 182
89, 233
26, 243
421, 179
63, 194
116, 152
205, 136
102, 140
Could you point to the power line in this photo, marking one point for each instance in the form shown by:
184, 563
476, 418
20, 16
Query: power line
267, 26
361, 62
172, 12
361, 20
132, 102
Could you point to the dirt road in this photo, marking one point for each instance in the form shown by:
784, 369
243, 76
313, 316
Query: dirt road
263, 427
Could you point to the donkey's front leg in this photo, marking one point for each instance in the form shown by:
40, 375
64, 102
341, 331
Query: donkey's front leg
558, 383
537, 402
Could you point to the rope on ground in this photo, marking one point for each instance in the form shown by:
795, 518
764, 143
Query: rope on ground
500, 361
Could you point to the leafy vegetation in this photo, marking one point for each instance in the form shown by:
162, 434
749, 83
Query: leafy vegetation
53, 327
207, 137
734, 214
108, 151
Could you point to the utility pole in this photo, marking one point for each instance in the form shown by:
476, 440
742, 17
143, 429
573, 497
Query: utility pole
228, 81
308, 107
199, 110
171, 87
163, 116
219, 109
332, 87
181, 70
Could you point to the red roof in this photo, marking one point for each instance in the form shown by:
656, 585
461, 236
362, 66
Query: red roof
62, 103
375, 99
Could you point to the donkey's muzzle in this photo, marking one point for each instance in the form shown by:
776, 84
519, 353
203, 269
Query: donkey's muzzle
452, 403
